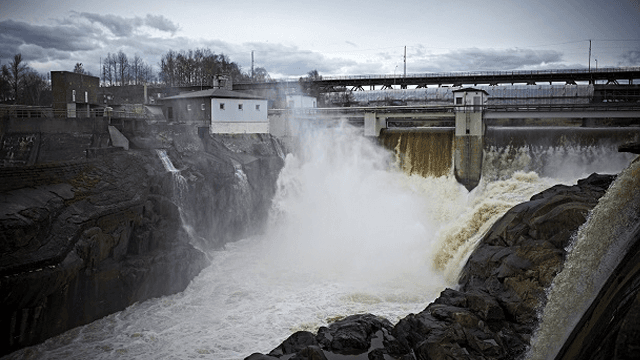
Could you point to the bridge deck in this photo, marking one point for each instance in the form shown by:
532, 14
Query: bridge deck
570, 76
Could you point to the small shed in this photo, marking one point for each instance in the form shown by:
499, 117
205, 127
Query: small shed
470, 99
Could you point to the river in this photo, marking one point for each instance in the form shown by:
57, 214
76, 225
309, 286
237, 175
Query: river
349, 232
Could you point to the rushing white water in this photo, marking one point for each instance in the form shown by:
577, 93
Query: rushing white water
349, 233
594, 253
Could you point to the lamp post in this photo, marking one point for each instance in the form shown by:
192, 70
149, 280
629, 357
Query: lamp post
596, 64
394, 75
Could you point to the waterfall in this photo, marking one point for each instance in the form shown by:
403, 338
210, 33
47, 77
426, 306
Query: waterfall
424, 153
179, 181
168, 165
593, 254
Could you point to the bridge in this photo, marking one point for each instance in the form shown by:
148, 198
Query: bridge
615, 76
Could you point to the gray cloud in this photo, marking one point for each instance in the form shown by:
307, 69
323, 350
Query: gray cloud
291, 61
161, 23
485, 59
61, 37
630, 58
118, 25
123, 27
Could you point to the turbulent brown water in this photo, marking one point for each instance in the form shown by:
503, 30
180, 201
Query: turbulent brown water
419, 152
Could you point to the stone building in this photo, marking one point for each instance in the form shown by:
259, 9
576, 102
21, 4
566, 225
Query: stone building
74, 95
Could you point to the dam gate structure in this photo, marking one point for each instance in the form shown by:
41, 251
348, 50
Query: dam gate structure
469, 136
466, 113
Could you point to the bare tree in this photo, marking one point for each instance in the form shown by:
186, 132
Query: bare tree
5, 84
36, 89
17, 69
260, 74
136, 65
79, 69
123, 67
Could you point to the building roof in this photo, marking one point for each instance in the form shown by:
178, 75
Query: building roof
469, 89
214, 93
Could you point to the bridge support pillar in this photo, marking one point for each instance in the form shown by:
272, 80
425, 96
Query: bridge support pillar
469, 136
373, 124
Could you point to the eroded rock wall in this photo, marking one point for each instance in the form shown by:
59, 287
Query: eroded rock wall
122, 229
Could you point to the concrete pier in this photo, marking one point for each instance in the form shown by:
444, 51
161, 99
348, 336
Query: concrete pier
469, 136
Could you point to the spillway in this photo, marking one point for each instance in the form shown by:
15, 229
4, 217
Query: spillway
355, 227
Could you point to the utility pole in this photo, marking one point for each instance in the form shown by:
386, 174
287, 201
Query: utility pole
589, 55
405, 61
252, 66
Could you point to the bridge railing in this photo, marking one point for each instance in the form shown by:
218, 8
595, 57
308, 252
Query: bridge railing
485, 73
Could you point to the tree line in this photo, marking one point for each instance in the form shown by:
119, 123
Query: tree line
119, 70
21, 84
199, 66
176, 68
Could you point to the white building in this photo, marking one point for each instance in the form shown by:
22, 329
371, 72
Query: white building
301, 101
227, 112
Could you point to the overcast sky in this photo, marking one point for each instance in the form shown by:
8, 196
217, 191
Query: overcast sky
335, 37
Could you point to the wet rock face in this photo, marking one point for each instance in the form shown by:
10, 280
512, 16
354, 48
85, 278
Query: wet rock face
493, 313
77, 250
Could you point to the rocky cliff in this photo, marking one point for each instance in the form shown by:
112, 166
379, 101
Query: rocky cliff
493, 312
83, 240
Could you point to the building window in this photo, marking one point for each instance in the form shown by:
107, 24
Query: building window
239, 106
458, 101
221, 106
169, 113
188, 107
73, 95
258, 107
202, 107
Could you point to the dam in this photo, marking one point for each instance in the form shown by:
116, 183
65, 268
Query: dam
357, 224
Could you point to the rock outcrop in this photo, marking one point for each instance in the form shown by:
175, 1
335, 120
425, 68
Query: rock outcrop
492, 315
120, 228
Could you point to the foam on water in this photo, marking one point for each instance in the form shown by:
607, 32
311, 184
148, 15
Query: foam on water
349, 233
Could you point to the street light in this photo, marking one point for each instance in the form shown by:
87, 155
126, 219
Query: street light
596, 64
394, 75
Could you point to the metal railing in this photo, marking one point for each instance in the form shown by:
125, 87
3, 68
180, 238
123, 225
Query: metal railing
79, 114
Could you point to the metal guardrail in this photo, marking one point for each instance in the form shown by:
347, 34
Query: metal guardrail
560, 107
79, 114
